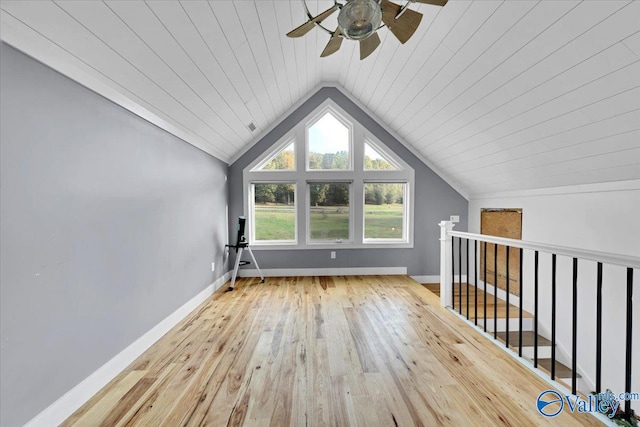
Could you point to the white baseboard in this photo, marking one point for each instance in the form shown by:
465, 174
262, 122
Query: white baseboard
349, 271
426, 279
66, 405
434, 278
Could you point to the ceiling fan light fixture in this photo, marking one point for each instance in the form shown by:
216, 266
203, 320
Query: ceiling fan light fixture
358, 19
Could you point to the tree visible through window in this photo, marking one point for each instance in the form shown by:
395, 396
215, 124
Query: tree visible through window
329, 145
329, 211
374, 160
285, 159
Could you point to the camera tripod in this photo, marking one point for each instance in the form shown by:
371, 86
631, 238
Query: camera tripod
240, 246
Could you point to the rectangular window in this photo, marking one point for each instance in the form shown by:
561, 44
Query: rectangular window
329, 215
274, 212
384, 211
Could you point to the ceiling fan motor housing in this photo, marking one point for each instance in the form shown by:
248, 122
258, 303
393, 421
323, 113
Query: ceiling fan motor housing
358, 19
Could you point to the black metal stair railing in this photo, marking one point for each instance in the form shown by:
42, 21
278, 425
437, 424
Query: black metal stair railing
553, 316
535, 248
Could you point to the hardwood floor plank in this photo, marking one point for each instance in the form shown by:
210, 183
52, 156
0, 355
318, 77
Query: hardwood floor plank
390, 408
361, 341
198, 395
337, 406
131, 410
234, 367
364, 409
128, 401
322, 351
104, 408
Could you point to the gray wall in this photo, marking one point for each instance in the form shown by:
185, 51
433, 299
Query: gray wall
435, 200
108, 224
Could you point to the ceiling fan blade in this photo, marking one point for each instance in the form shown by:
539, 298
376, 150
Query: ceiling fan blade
368, 45
307, 26
324, 15
405, 25
334, 44
301, 30
433, 2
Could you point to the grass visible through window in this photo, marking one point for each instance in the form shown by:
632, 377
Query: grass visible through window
274, 211
275, 222
329, 222
384, 210
383, 221
329, 211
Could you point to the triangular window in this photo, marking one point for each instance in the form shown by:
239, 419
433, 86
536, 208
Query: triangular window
376, 159
283, 160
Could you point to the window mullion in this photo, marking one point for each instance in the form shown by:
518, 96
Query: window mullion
302, 210
386, 176
357, 217
301, 150
357, 211
273, 176
358, 148
302, 202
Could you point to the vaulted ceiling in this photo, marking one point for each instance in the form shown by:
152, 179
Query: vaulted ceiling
496, 95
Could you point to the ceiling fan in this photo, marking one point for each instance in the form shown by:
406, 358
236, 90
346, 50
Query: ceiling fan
361, 19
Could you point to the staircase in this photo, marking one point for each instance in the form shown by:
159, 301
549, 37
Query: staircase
563, 372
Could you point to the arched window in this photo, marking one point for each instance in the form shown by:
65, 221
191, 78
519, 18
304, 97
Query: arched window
329, 182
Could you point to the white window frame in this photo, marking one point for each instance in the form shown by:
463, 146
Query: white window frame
252, 228
322, 242
405, 215
379, 149
317, 115
356, 176
274, 151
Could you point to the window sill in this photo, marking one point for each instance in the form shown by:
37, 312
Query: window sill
332, 246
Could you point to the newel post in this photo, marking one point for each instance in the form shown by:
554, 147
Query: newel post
446, 262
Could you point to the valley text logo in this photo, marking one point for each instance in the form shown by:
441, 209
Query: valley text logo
550, 402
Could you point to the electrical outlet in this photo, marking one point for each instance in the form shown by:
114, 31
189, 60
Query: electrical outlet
455, 218
333, 254
213, 266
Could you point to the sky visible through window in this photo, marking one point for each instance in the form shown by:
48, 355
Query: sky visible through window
371, 153
328, 135
374, 160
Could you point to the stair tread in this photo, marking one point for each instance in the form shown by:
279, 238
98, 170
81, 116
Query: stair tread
562, 371
433, 287
528, 338
480, 295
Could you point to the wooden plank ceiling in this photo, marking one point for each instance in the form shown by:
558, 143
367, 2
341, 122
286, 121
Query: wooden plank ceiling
497, 95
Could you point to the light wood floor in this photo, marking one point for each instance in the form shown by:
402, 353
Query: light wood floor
322, 351
563, 372
501, 310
